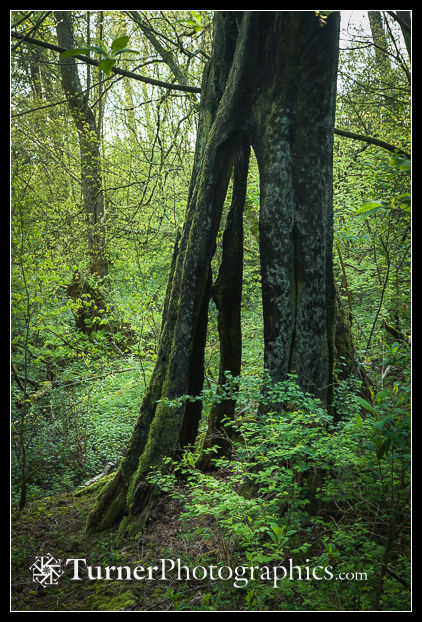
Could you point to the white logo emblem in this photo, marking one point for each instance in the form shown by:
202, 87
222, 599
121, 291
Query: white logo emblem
46, 570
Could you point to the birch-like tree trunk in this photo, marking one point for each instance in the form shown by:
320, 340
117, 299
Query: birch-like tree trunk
91, 177
89, 146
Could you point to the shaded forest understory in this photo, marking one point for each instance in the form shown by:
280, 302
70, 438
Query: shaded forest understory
284, 450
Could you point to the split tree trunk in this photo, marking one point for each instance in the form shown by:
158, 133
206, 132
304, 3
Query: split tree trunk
270, 84
227, 295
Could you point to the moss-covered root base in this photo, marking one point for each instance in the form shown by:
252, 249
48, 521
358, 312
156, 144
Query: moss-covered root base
112, 507
132, 525
112, 497
96, 487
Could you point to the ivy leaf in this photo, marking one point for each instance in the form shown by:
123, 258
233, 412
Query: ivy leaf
125, 50
99, 49
84, 50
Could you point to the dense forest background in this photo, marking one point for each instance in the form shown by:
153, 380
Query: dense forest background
88, 284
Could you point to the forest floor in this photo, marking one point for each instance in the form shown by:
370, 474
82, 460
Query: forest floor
56, 526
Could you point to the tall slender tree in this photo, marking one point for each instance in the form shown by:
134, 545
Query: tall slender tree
91, 177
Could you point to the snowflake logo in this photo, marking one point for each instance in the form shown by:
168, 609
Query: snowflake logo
46, 570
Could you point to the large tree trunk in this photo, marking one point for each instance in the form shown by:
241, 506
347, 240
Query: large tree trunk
271, 83
159, 425
294, 114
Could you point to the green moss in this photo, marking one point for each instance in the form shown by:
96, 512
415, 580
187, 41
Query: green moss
130, 527
108, 598
115, 508
97, 486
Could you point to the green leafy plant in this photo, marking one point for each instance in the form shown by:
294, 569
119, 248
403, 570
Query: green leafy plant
196, 21
108, 57
397, 164
300, 486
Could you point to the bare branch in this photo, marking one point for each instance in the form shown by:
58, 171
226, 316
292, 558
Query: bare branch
371, 141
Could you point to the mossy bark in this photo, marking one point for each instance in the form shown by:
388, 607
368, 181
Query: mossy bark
227, 295
89, 146
294, 114
160, 426
270, 84
87, 290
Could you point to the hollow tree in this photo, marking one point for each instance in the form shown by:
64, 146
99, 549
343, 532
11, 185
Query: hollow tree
270, 85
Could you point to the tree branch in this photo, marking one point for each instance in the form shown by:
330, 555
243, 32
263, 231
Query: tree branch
116, 70
193, 89
371, 141
166, 55
402, 23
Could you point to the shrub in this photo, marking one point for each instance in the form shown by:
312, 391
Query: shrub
300, 486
